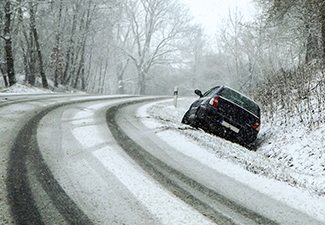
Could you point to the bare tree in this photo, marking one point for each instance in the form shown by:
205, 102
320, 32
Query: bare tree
231, 43
106, 46
8, 43
36, 39
157, 27
104, 60
306, 17
2, 54
78, 31
57, 55
122, 41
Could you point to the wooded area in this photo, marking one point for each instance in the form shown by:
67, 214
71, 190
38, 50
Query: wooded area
150, 46
295, 87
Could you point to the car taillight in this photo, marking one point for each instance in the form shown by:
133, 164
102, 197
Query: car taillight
214, 101
257, 125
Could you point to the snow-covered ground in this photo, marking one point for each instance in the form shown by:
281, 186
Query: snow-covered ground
288, 165
19, 88
295, 156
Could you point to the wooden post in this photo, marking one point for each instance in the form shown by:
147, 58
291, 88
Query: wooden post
175, 96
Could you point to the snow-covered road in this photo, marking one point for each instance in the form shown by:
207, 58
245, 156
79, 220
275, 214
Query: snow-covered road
172, 174
90, 152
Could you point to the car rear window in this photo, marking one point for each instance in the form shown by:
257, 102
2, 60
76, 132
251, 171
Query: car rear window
240, 100
210, 92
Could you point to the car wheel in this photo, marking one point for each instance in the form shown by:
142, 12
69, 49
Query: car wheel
196, 121
185, 118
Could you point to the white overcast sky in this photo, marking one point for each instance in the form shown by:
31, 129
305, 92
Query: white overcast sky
211, 12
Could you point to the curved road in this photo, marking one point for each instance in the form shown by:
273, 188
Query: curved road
70, 159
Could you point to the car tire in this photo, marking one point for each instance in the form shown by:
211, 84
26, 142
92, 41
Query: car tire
185, 118
196, 121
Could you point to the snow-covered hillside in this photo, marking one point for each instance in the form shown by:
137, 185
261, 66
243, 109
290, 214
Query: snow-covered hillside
294, 156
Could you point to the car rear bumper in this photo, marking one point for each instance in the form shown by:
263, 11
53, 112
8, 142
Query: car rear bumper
223, 126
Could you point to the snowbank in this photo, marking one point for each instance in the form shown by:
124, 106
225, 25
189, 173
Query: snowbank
288, 165
294, 156
23, 89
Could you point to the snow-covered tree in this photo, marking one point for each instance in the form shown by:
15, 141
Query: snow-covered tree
157, 29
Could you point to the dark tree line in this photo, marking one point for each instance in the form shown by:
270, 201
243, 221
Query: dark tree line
297, 89
48, 39
97, 46
149, 46
307, 16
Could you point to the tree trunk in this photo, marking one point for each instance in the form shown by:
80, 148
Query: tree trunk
83, 82
81, 70
141, 81
70, 52
8, 45
322, 20
25, 51
120, 73
6, 81
58, 71
311, 32
81, 65
311, 46
31, 60
103, 78
39, 54
4, 76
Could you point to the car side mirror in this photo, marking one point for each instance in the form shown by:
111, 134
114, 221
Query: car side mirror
199, 93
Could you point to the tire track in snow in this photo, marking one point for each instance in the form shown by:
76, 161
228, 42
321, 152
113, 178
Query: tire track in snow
22, 201
162, 205
179, 184
26, 163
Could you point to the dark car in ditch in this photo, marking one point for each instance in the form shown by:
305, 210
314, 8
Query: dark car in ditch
226, 113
